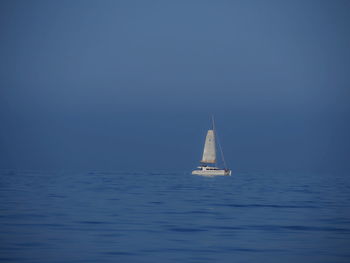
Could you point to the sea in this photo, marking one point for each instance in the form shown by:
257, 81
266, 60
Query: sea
115, 216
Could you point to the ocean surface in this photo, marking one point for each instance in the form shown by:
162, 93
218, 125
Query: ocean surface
173, 217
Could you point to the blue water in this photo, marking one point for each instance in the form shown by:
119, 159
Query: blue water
173, 217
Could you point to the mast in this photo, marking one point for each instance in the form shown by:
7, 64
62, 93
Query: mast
213, 122
214, 131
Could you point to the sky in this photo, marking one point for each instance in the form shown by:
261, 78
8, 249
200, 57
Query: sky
131, 85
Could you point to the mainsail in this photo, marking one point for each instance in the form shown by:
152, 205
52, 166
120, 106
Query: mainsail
209, 153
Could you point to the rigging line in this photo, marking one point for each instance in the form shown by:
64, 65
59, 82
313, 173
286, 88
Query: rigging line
219, 144
222, 153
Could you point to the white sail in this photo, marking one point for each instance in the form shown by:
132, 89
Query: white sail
209, 153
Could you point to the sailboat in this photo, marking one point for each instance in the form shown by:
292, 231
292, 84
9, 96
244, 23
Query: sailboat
209, 157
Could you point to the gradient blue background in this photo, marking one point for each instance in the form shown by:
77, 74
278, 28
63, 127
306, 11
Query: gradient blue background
130, 85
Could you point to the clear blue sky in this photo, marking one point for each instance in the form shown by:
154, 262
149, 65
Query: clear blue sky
130, 85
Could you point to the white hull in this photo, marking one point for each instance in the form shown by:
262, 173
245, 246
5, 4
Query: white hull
212, 172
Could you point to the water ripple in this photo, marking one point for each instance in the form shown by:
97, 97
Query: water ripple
173, 217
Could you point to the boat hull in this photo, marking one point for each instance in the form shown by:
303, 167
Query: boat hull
212, 172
